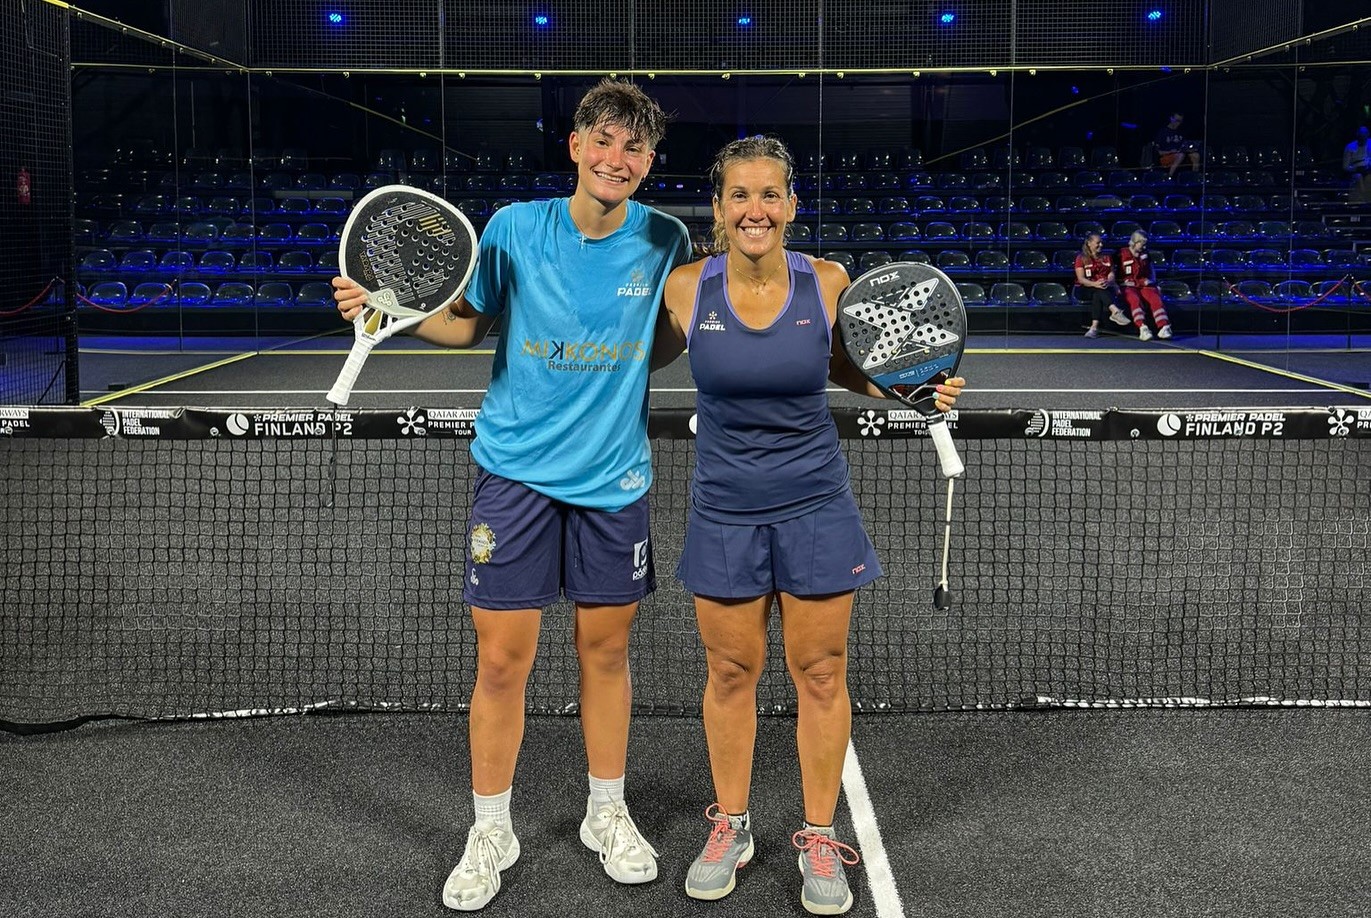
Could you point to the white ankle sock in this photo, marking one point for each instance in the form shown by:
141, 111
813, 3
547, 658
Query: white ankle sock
604, 791
494, 808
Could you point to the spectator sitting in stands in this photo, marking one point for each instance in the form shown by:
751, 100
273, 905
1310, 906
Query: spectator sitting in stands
1095, 274
1356, 162
1139, 285
1172, 147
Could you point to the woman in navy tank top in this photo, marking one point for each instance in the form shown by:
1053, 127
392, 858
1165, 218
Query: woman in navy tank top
772, 514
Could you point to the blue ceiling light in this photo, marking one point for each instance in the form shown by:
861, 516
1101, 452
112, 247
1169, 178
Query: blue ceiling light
335, 18
744, 21
1154, 16
542, 20
948, 18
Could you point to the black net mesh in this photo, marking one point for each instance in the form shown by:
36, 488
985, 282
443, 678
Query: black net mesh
247, 571
37, 331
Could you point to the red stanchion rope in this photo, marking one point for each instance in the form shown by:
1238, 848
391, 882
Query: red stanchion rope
126, 310
6, 313
1360, 290
1232, 288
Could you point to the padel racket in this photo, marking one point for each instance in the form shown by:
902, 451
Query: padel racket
413, 253
903, 325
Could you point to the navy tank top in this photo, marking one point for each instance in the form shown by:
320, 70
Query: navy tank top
766, 447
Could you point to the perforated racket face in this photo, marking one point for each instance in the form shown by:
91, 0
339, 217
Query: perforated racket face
410, 242
904, 326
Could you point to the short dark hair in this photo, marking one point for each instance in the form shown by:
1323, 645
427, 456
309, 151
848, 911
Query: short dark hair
624, 105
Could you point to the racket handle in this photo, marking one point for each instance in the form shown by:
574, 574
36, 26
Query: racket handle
347, 377
947, 450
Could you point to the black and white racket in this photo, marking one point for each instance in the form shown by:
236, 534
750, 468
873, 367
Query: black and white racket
903, 325
413, 253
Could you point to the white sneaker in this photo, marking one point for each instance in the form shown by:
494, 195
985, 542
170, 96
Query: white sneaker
1092, 332
1144, 333
1117, 317
476, 878
1164, 331
625, 854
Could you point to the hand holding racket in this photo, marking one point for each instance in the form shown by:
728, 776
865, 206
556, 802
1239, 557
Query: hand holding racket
903, 325
411, 253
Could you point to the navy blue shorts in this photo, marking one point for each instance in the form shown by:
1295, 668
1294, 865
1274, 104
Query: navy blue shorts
526, 550
823, 552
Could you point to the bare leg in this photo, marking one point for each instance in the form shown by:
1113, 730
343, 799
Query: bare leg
734, 635
606, 685
506, 643
816, 653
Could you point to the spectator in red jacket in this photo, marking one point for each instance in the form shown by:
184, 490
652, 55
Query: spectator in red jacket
1095, 277
1140, 286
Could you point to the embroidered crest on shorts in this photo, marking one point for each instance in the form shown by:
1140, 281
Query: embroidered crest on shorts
482, 543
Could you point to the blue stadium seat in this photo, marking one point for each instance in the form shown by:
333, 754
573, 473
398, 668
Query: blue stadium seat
954, 181
296, 261
919, 180
972, 294
860, 207
234, 294
176, 261
1035, 204
1227, 259
192, 295
1050, 293
311, 181
293, 207
992, 260
800, 233
345, 181
1266, 259
1008, 293
1031, 260
257, 261
98, 260
1174, 291
1071, 158
866, 232
939, 230
929, 204
271, 233
869, 260
1187, 259
1040, 158
224, 206
425, 160
1257, 290
1053, 231
218, 261
1294, 292
915, 256
273, 295
109, 293
327, 262
963, 204
315, 295
314, 234
1071, 204
903, 231
125, 232
832, 232
138, 261
951, 260
1014, 231
151, 293
979, 232
1166, 230
975, 159
1052, 181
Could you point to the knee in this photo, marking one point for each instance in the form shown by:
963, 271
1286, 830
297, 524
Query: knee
729, 676
502, 670
603, 653
822, 678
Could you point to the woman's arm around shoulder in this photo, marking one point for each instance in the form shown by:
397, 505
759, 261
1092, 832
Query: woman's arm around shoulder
673, 318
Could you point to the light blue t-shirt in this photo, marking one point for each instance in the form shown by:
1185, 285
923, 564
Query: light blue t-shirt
566, 411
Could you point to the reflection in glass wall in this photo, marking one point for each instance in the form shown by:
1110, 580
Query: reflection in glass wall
210, 196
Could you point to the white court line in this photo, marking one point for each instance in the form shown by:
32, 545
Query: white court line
883, 892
